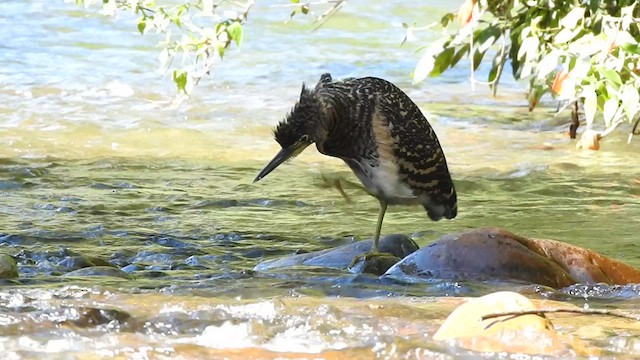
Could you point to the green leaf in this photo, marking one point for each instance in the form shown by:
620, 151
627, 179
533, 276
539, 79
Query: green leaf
141, 26
612, 76
631, 48
295, 1
428, 60
462, 51
477, 59
180, 79
442, 62
446, 19
235, 32
487, 37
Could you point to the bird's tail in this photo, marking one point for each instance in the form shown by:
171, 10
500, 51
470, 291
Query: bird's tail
438, 210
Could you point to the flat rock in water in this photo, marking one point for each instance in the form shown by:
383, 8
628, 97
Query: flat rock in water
341, 257
99, 271
484, 254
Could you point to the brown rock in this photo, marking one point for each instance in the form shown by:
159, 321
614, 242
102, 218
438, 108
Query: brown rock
584, 265
590, 140
526, 334
494, 253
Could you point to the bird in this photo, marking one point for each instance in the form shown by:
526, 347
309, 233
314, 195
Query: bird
381, 134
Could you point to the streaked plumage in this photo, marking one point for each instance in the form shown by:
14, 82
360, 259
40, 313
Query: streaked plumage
380, 134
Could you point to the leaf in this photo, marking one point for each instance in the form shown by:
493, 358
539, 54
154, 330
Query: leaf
565, 35
442, 62
529, 48
235, 32
487, 37
590, 104
630, 100
180, 79
556, 86
141, 26
428, 60
465, 13
571, 19
631, 48
610, 109
163, 58
477, 59
462, 51
446, 19
547, 64
295, 1
612, 76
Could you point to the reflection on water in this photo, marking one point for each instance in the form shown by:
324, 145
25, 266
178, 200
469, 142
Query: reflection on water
97, 169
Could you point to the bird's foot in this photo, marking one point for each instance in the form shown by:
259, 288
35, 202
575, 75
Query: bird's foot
376, 263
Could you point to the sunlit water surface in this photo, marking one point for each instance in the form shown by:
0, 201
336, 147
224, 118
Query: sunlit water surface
95, 162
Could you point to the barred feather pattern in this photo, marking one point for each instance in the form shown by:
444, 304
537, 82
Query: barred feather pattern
386, 140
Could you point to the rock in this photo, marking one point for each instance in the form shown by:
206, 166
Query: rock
525, 334
8, 267
342, 256
92, 316
81, 261
481, 254
584, 265
373, 264
590, 140
99, 271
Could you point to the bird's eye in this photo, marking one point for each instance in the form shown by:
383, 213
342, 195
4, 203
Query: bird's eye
304, 138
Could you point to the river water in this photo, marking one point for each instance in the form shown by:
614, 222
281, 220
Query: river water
95, 163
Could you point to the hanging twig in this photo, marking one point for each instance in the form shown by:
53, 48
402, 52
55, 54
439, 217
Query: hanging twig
514, 314
322, 19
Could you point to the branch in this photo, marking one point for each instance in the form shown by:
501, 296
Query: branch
514, 314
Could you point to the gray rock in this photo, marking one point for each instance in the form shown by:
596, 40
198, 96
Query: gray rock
481, 254
342, 256
99, 271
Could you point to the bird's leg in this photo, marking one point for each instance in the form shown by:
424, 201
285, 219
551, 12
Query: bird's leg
374, 261
376, 237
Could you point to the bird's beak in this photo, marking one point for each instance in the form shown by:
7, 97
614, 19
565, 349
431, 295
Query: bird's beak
282, 156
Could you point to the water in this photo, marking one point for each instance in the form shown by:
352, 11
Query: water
95, 163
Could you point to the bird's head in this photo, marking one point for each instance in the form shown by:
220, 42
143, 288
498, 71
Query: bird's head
301, 128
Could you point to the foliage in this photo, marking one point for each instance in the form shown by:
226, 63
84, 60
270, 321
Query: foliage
582, 51
198, 32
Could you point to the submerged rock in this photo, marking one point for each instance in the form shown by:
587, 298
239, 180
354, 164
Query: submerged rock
485, 254
8, 267
87, 317
81, 261
524, 334
99, 271
341, 257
